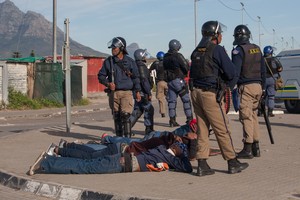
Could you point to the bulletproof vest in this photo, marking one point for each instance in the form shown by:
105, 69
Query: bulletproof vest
203, 65
160, 71
143, 70
172, 67
273, 64
251, 67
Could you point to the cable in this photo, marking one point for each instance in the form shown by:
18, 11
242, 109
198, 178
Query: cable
229, 7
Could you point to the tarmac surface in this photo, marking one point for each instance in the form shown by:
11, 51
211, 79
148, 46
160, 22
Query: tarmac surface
275, 175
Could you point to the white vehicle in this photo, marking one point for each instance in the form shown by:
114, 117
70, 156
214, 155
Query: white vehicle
290, 93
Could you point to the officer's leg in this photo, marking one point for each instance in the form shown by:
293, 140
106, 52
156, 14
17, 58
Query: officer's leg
172, 101
185, 98
126, 123
118, 124
271, 97
136, 114
148, 117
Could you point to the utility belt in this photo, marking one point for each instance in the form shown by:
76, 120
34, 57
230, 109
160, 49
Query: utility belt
219, 92
206, 88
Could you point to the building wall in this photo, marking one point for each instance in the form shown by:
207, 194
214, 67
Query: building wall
94, 65
17, 76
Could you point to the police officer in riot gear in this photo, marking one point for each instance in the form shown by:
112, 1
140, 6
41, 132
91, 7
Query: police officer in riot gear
211, 70
120, 75
251, 70
177, 68
160, 80
273, 68
144, 106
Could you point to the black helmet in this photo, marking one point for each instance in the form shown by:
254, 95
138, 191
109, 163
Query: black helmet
174, 45
211, 29
141, 54
241, 35
118, 42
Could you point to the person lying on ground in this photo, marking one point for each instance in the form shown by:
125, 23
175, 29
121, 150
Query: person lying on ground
159, 158
84, 152
188, 130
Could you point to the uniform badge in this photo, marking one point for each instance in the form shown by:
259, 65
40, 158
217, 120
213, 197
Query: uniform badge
235, 52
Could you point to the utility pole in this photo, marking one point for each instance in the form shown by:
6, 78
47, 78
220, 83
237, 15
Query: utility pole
242, 12
54, 31
195, 20
273, 37
258, 30
67, 68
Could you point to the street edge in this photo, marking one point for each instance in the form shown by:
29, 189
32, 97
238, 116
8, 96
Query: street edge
58, 191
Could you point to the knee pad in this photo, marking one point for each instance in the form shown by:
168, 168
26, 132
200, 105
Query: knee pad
125, 117
183, 92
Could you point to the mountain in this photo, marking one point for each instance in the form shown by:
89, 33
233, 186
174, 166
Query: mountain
131, 49
30, 31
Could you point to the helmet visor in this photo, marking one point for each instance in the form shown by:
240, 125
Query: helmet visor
220, 28
145, 54
115, 43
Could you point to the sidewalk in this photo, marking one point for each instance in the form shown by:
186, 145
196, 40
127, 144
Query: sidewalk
275, 175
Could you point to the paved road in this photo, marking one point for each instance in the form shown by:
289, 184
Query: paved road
274, 176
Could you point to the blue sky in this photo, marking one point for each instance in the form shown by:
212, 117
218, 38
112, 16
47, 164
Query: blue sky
153, 23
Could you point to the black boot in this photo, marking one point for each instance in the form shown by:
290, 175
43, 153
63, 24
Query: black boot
127, 124
246, 153
118, 124
148, 129
235, 166
255, 149
270, 113
173, 122
203, 168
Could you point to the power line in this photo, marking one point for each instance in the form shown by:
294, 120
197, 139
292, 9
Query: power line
229, 7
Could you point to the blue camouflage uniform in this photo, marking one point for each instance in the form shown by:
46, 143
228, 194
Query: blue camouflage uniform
177, 68
144, 106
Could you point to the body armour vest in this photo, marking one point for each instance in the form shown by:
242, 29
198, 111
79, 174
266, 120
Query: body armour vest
251, 67
273, 65
172, 66
203, 65
160, 72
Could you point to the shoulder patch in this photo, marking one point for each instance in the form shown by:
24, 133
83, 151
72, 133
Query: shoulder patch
235, 52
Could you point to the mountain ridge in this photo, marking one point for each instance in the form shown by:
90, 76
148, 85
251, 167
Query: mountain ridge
26, 32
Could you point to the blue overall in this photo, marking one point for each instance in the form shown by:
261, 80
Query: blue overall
174, 88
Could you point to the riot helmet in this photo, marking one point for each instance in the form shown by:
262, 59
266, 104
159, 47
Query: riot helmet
118, 42
211, 30
160, 55
268, 51
141, 54
174, 45
241, 35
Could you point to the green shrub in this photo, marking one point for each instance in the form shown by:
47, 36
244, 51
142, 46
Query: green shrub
19, 101
82, 102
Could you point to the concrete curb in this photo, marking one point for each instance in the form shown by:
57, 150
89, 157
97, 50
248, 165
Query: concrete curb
58, 191
53, 114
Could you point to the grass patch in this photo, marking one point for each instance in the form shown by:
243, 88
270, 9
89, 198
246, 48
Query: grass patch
19, 101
